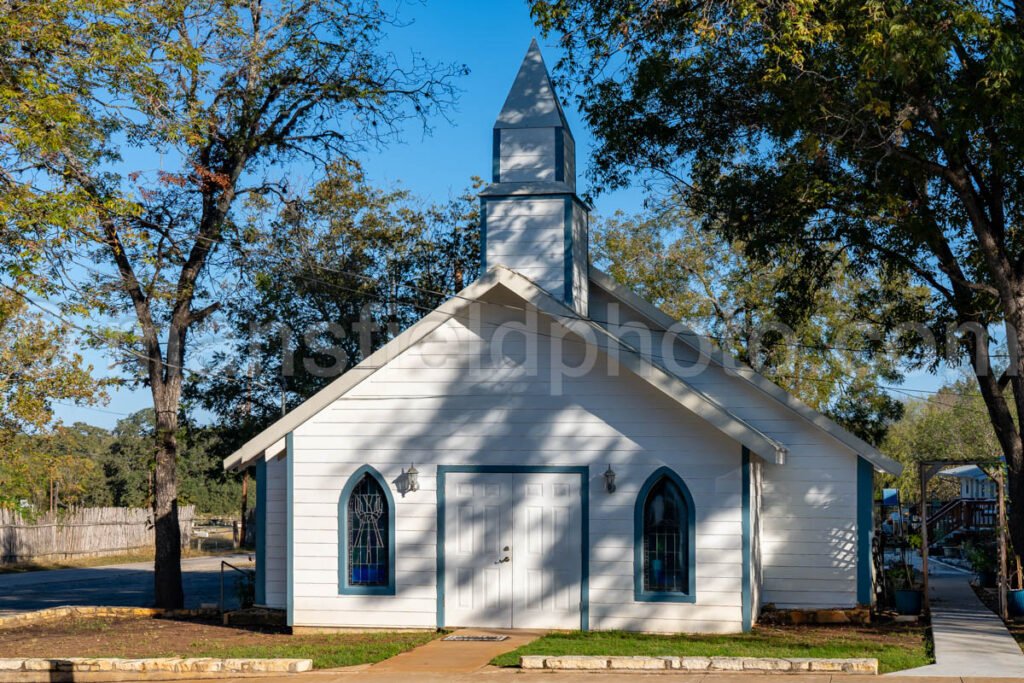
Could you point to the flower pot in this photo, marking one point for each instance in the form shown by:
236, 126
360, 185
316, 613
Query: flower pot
909, 601
1015, 602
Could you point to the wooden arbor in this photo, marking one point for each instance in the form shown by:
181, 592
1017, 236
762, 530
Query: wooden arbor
926, 471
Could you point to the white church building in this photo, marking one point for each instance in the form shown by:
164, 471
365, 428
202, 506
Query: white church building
548, 450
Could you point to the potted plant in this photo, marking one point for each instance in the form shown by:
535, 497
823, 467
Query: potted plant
908, 598
983, 561
1015, 596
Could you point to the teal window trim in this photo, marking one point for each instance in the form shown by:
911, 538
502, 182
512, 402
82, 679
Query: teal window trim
746, 589
582, 471
344, 587
261, 532
639, 594
865, 529
483, 235
559, 155
496, 156
289, 492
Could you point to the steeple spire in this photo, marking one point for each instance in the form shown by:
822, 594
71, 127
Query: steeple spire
532, 102
531, 219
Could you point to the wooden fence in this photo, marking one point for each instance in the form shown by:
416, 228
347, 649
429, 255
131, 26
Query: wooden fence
81, 533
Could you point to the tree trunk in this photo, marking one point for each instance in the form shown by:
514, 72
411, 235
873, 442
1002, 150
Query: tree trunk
167, 587
1015, 502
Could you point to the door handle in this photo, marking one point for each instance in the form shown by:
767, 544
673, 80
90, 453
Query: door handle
503, 560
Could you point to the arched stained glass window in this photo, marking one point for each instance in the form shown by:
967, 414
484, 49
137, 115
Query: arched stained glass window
367, 529
664, 542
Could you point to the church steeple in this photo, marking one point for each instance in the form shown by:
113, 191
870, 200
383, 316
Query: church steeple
532, 140
531, 219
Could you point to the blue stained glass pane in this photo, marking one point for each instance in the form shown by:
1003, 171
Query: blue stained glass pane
367, 534
665, 541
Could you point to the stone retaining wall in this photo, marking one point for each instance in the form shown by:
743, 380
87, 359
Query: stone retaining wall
701, 664
54, 613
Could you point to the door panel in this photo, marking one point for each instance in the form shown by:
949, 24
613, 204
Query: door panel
536, 517
478, 524
546, 569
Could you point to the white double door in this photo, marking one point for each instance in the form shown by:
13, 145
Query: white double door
512, 550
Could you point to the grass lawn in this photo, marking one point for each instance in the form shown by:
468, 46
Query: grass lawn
895, 647
142, 637
329, 650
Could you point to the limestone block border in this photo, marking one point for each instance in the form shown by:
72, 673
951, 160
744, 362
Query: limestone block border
767, 665
55, 613
158, 665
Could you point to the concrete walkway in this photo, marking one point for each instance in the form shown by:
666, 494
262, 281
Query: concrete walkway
449, 657
970, 640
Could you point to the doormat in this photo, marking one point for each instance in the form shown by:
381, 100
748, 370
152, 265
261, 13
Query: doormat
488, 639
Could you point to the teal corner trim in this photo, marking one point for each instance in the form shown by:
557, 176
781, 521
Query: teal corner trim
289, 492
865, 529
584, 473
568, 243
639, 594
748, 607
559, 155
344, 587
496, 156
483, 235
261, 532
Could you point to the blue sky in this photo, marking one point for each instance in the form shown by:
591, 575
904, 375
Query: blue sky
490, 37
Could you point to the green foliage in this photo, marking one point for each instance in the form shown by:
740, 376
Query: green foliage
950, 425
889, 132
234, 99
336, 275
37, 370
982, 557
92, 467
711, 284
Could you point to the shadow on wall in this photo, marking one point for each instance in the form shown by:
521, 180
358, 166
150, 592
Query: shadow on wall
432, 406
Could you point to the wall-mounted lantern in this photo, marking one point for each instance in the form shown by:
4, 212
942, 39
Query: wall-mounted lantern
408, 481
609, 480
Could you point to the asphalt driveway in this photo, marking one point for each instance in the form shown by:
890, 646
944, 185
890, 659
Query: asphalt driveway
121, 585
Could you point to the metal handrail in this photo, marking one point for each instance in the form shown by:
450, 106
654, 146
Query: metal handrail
244, 572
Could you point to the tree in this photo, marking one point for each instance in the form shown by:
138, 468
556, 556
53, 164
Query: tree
952, 424
699, 277
888, 132
36, 370
234, 98
337, 274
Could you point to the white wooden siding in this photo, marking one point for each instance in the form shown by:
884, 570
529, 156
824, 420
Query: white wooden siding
450, 401
527, 155
808, 510
276, 537
528, 236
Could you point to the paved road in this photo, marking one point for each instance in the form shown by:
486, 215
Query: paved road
121, 585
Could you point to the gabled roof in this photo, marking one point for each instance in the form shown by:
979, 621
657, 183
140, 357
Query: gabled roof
659, 319
268, 442
532, 102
